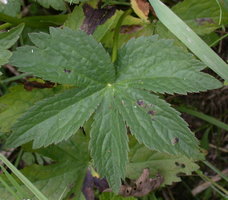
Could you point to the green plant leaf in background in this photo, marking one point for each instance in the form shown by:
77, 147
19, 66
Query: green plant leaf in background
56, 4
10, 7
117, 95
7, 39
201, 15
76, 18
169, 166
4, 56
190, 38
16, 102
68, 170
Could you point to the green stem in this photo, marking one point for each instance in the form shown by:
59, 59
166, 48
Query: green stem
35, 21
9, 189
117, 3
16, 77
20, 192
204, 117
5, 26
116, 34
18, 158
221, 190
216, 170
218, 40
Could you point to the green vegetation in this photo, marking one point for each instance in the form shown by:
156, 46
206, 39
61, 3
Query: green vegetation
91, 94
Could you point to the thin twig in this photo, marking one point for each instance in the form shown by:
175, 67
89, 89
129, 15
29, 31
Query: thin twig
200, 188
219, 148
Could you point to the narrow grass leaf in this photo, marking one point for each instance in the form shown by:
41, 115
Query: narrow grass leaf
204, 117
20, 192
8, 188
23, 179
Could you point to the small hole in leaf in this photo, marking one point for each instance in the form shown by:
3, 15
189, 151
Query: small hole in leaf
175, 140
67, 71
177, 163
128, 191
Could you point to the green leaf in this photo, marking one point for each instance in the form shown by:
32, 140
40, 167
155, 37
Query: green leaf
154, 123
109, 141
190, 38
8, 38
72, 57
4, 56
16, 102
169, 166
76, 18
10, 7
103, 29
131, 27
56, 4
158, 65
56, 118
68, 169
201, 15
67, 57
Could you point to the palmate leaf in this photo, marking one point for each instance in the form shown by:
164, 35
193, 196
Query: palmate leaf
70, 162
144, 64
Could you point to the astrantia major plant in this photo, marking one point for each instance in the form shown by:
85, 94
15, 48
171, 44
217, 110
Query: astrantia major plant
119, 96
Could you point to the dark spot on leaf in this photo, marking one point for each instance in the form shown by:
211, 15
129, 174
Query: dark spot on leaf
128, 29
140, 102
177, 163
204, 21
140, 182
151, 112
30, 85
175, 140
67, 71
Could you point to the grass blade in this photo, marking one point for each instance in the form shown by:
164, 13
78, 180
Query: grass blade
21, 193
23, 179
184, 33
8, 188
216, 170
222, 191
204, 117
